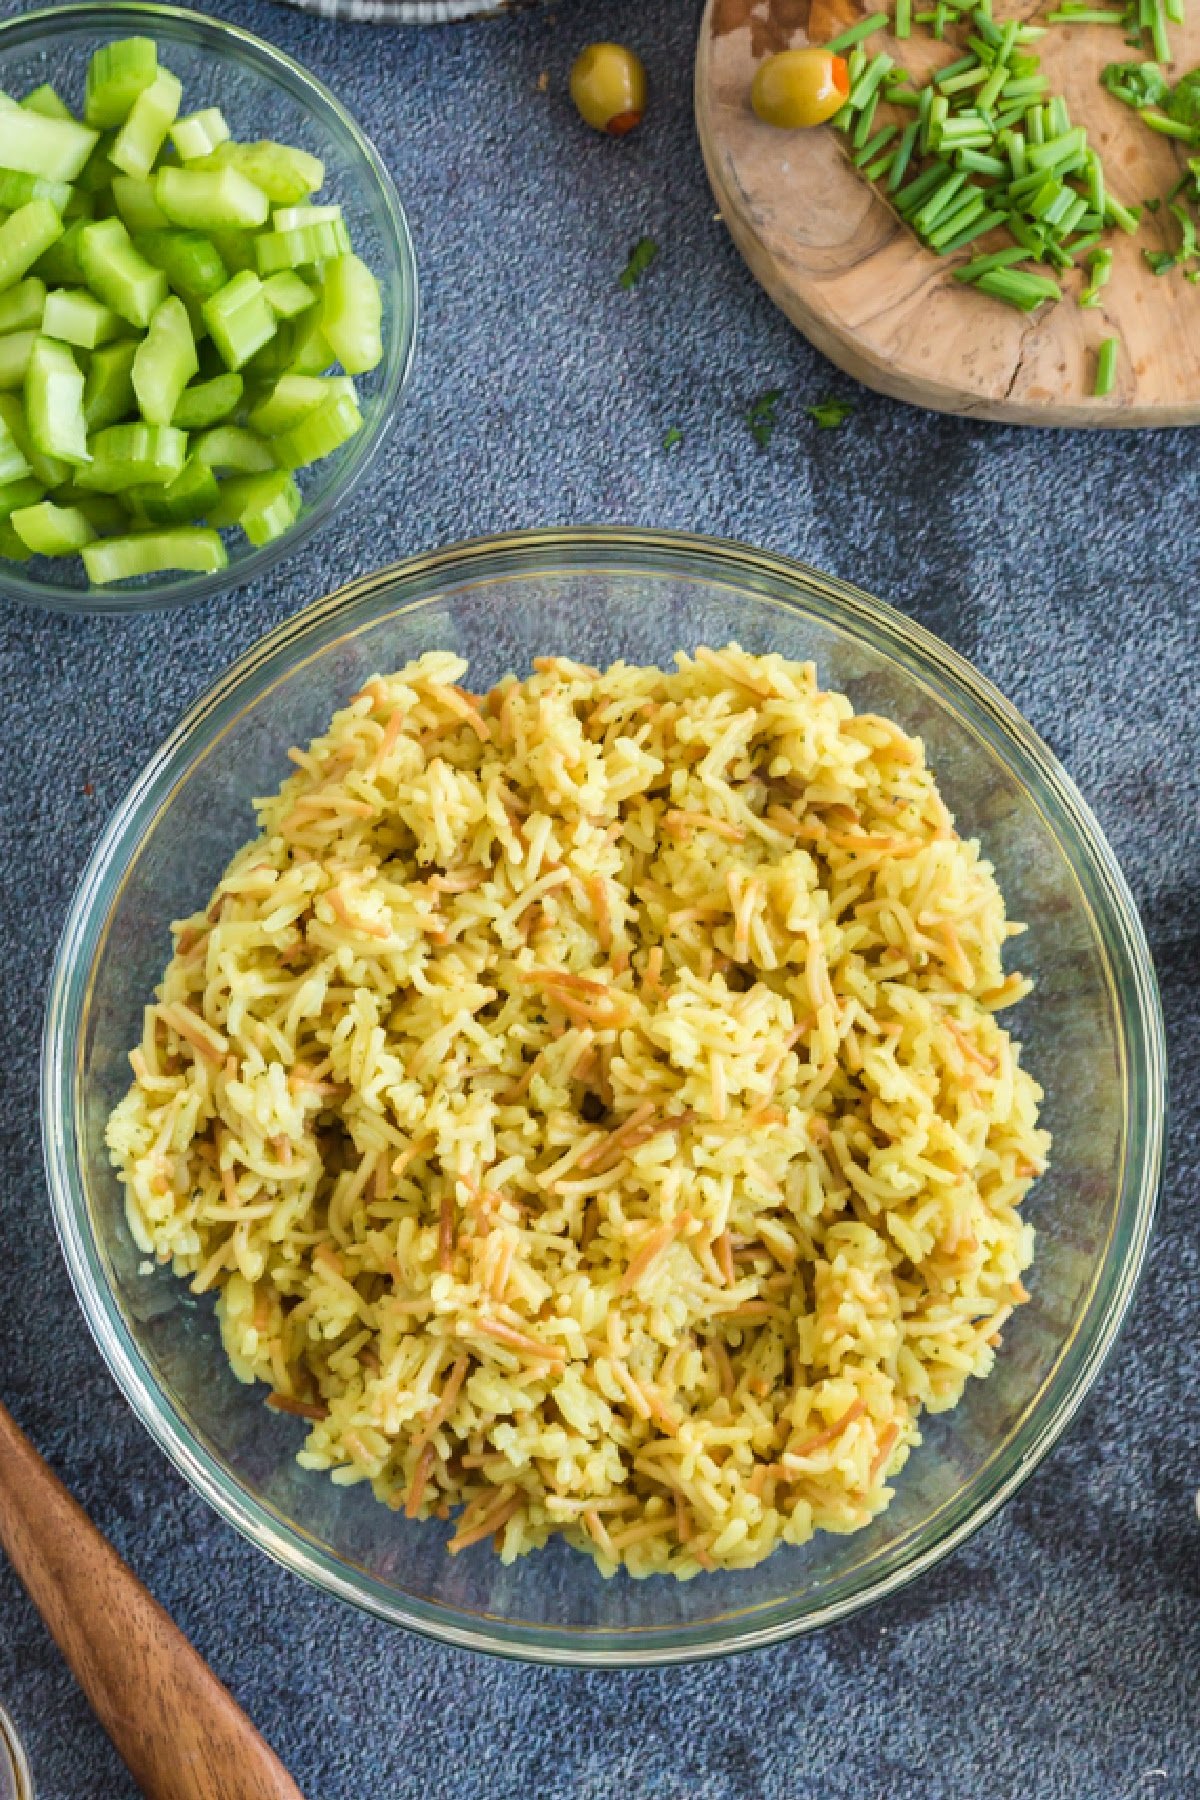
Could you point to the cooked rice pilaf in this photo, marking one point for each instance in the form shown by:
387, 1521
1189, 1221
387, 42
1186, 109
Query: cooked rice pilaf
589, 1104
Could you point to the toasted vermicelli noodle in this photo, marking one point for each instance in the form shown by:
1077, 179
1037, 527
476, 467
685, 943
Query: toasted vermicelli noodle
589, 1104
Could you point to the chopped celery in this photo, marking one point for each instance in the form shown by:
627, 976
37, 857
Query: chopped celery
108, 388
265, 506
285, 175
199, 134
154, 553
124, 455
230, 447
24, 236
25, 492
96, 175
21, 308
17, 189
51, 530
48, 471
211, 200
117, 74
136, 204
191, 494
292, 398
117, 274
319, 433
15, 349
287, 295
14, 464
190, 261
11, 547
308, 244
295, 218
77, 317
240, 319
53, 148
103, 512
60, 264
151, 116
208, 402
311, 353
165, 362
352, 314
46, 100
236, 249
54, 402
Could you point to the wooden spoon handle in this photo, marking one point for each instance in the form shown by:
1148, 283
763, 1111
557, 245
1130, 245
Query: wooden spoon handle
181, 1733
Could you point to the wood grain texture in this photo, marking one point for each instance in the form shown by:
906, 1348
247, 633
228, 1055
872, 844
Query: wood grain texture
180, 1732
843, 267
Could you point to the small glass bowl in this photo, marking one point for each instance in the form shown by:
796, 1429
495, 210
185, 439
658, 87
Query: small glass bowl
16, 1783
264, 94
1092, 1032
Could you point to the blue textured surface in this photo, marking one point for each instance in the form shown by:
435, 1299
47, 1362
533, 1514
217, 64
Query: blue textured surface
1056, 1656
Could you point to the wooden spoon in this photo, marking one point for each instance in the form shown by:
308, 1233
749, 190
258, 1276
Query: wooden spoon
181, 1733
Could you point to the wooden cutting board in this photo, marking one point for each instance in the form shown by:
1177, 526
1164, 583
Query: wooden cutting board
844, 268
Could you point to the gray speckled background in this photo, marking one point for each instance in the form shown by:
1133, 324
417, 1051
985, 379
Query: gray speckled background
1057, 1655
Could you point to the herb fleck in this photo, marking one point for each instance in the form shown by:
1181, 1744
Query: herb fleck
760, 416
640, 258
672, 438
827, 415
1158, 261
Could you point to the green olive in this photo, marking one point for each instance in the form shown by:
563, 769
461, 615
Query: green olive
608, 86
800, 87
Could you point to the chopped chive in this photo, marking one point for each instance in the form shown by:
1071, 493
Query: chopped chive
871, 150
902, 24
1095, 183
1085, 15
1158, 33
1019, 289
1126, 217
1016, 153
1106, 367
903, 156
985, 222
979, 164
989, 93
1012, 115
1099, 269
868, 82
960, 67
997, 259
1158, 261
878, 169
958, 222
904, 96
1168, 127
909, 198
939, 200
925, 119
970, 78
866, 120
1058, 119
941, 18
1187, 230
855, 35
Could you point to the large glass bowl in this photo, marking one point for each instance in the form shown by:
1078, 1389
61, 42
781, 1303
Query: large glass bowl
263, 94
1093, 1036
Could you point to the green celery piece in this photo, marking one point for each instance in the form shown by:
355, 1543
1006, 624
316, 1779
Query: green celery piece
295, 218
319, 433
117, 74
310, 352
14, 464
48, 471
191, 494
25, 492
15, 350
236, 249
144, 132
47, 101
108, 387
211, 200
285, 175
103, 512
185, 547
11, 547
117, 274
25, 236
21, 307
54, 402
207, 403
76, 317
352, 314
55, 149
17, 189
232, 448
50, 530
125, 455
292, 398
165, 362
97, 173
137, 205
190, 261
308, 244
199, 133
60, 264
240, 319
265, 506
287, 295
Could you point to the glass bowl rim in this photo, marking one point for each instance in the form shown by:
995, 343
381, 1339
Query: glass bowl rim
411, 585
233, 41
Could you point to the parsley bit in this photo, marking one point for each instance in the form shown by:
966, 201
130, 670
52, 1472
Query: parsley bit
827, 415
672, 437
640, 258
760, 416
